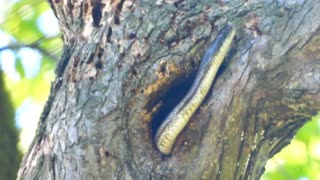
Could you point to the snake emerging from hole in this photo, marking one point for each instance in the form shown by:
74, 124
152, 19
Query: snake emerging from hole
181, 114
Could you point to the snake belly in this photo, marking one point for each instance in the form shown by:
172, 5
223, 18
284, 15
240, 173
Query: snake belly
181, 114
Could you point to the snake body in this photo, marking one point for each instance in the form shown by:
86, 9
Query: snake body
181, 114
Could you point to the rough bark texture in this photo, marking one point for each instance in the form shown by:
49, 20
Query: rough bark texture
126, 64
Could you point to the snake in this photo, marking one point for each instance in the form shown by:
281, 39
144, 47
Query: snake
178, 118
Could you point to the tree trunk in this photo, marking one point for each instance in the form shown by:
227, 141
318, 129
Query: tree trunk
127, 63
10, 156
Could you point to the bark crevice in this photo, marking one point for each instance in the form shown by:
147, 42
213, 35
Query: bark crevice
128, 60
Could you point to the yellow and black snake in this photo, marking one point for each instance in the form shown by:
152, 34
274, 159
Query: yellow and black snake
181, 114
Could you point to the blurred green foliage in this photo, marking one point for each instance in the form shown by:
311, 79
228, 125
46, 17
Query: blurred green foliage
300, 160
27, 31
21, 34
21, 19
36, 88
22, 25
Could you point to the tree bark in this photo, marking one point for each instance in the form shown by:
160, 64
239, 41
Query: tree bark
127, 63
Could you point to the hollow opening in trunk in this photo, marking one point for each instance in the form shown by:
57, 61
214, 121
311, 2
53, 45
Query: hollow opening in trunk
168, 99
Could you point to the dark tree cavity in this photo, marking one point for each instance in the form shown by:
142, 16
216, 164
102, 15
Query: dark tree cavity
125, 58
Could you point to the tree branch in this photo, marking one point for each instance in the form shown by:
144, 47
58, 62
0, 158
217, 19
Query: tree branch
34, 45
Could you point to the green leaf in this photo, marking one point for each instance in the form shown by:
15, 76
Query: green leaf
19, 67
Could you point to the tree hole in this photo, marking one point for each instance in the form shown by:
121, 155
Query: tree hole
168, 99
